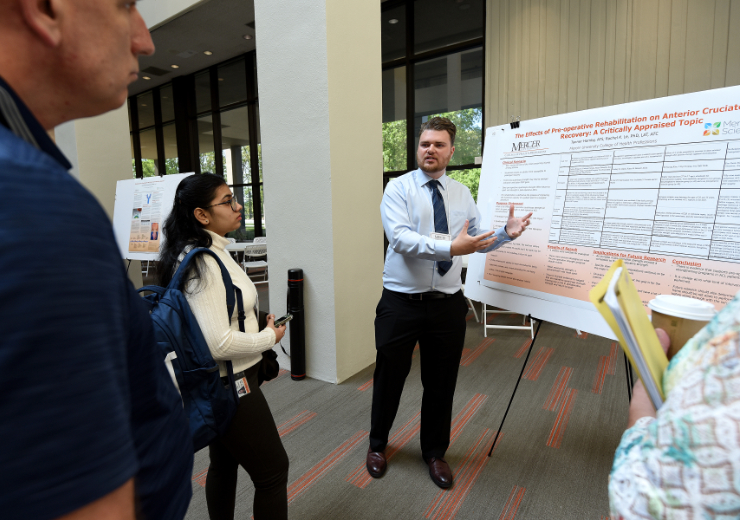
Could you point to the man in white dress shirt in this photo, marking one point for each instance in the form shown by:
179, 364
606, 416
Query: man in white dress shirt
431, 221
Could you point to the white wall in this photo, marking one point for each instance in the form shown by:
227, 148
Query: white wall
546, 57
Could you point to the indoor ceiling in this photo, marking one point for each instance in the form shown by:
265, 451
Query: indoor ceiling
218, 26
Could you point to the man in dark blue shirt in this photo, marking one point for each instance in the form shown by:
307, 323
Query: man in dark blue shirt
91, 425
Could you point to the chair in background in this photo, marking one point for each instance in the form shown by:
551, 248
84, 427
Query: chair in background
252, 254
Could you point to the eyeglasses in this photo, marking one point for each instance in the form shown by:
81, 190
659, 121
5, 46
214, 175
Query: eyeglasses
232, 201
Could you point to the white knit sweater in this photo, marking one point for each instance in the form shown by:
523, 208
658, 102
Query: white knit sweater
207, 300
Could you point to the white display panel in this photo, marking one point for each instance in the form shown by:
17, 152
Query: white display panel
148, 200
655, 182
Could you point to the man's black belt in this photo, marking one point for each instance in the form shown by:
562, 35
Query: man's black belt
430, 295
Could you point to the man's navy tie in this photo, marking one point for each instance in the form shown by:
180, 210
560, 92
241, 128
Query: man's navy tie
440, 221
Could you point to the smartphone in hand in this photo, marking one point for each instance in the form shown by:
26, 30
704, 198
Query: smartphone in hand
282, 320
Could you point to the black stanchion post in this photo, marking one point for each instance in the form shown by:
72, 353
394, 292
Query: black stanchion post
297, 325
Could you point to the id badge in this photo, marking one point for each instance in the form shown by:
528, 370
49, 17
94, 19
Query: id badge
242, 386
440, 236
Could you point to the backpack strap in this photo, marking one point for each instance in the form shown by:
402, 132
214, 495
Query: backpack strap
177, 281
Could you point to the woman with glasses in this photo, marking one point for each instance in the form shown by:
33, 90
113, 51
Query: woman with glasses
203, 212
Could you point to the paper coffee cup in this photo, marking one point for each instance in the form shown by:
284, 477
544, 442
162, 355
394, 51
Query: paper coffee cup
680, 317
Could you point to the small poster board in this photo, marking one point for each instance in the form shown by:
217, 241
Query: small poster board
141, 207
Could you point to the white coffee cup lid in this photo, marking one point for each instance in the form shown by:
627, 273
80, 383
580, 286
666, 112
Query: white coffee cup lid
682, 307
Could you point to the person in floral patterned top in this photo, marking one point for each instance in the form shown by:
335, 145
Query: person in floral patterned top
684, 461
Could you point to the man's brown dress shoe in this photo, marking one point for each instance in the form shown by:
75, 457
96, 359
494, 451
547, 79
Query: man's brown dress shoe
376, 463
440, 472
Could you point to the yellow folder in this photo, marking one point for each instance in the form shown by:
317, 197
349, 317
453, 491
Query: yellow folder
627, 318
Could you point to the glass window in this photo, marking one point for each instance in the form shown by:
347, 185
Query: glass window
170, 149
203, 92
234, 140
394, 119
470, 178
148, 139
246, 230
168, 105
452, 86
439, 23
232, 83
205, 145
145, 104
393, 33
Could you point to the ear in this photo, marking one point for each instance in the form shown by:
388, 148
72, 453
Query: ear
44, 18
452, 151
201, 216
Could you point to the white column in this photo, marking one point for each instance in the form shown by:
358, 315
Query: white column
319, 73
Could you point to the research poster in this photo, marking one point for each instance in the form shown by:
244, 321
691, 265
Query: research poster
146, 215
656, 183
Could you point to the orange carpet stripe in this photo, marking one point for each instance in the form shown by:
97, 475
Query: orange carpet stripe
360, 477
464, 416
320, 470
613, 353
537, 368
472, 355
297, 421
582, 335
523, 349
600, 375
465, 353
200, 478
507, 505
561, 421
448, 503
534, 369
558, 389
513, 505
470, 316
365, 386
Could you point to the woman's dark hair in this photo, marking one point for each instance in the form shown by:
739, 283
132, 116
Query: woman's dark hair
181, 229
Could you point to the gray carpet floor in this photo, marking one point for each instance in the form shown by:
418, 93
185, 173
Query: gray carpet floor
552, 460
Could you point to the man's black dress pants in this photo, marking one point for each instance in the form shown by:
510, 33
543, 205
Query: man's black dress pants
438, 325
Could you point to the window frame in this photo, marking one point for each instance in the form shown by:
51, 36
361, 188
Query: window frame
409, 61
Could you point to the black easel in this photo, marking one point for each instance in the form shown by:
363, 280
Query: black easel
495, 439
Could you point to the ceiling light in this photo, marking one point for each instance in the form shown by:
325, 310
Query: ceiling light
143, 104
393, 21
146, 77
220, 79
175, 66
207, 53
247, 36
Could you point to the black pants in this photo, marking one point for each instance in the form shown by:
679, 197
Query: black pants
439, 327
251, 441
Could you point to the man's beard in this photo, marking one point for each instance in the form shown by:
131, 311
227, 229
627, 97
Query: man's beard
441, 165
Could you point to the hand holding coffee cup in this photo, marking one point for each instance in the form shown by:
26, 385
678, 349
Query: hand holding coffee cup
680, 317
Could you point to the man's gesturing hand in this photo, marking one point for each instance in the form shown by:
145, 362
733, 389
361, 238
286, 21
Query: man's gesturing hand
516, 226
464, 244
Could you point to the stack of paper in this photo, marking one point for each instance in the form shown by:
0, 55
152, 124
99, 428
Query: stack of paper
617, 299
